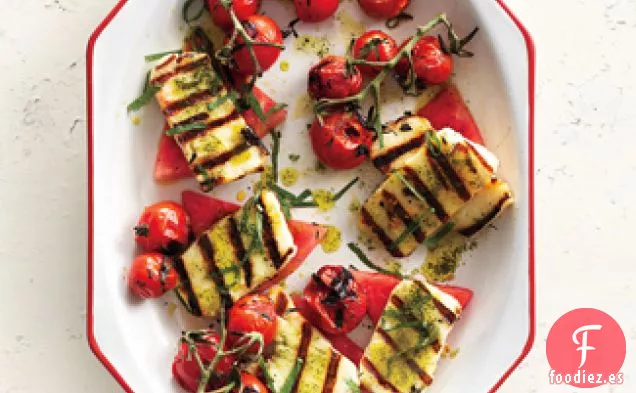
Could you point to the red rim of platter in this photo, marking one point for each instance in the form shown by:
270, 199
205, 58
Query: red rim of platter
92, 342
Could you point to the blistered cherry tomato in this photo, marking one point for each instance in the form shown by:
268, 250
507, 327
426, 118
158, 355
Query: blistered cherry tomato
374, 45
163, 227
252, 313
341, 141
315, 10
336, 299
262, 29
432, 66
242, 8
383, 9
331, 78
186, 371
251, 384
152, 275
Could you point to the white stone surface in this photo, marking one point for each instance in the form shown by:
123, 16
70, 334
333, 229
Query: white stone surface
585, 138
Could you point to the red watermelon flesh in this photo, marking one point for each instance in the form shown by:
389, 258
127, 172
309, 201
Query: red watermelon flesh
448, 109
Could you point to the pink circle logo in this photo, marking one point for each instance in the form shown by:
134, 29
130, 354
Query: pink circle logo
586, 348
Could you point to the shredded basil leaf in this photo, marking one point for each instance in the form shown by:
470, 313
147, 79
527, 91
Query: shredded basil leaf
367, 262
145, 97
185, 128
157, 56
292, 377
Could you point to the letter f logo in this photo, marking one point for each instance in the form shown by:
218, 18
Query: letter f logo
583, 344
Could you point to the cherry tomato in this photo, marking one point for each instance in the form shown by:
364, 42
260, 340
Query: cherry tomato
242, 8
383, 9
251, 384
374, 45
163, 226
252, 313
431, 64
151, 275
342, 141
336, 299
262, 29
330, 78
186, 370
316, 10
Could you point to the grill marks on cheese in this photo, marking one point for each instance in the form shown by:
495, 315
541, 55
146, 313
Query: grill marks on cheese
225, 150
211, 269
324, 369
455, 180
413, 370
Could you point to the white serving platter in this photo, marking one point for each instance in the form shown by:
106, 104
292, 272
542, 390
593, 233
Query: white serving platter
137, 340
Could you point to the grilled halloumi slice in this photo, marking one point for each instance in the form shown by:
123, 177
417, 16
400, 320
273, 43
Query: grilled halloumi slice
404, 137
432, 184
224, 264
324, 369
393, 362
191, 93
483, 208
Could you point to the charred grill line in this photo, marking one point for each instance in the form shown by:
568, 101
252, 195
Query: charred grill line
391, 155
402, 214
332, 373
482, 222
449, 315
281, 304
305, 340
270, 241
193, 303
456, 182
200, 117
225, 157
431, 200
380, 233
377, 375
207, 250
239, 250
190, 100
426, 379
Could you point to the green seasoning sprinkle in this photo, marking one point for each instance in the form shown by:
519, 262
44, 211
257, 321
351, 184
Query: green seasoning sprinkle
157, 56
367, 262
145, 97
185, 128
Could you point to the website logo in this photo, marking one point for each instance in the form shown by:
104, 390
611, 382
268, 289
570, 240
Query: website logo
586, 348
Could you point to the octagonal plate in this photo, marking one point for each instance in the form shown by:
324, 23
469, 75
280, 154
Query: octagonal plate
136, 341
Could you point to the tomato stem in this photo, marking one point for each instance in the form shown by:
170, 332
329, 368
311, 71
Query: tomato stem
387, 66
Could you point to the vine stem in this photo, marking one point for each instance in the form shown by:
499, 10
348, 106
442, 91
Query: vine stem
387, 66
248, 41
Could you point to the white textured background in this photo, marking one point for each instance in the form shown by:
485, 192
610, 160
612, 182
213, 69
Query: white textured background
585, 145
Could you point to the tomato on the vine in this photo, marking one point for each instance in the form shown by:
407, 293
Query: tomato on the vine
431, 64
336, 299
315, 11
152, 275
332, 78
383, 9
185, 368
252, 314
163, 227
262, 29
251, 384
341, 141
242, 8
374, 45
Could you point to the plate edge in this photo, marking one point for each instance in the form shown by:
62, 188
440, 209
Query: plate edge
92, 342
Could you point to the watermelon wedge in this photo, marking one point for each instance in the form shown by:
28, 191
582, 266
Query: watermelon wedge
170, 164
379, 286
448, 109
341, 342
273, 119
